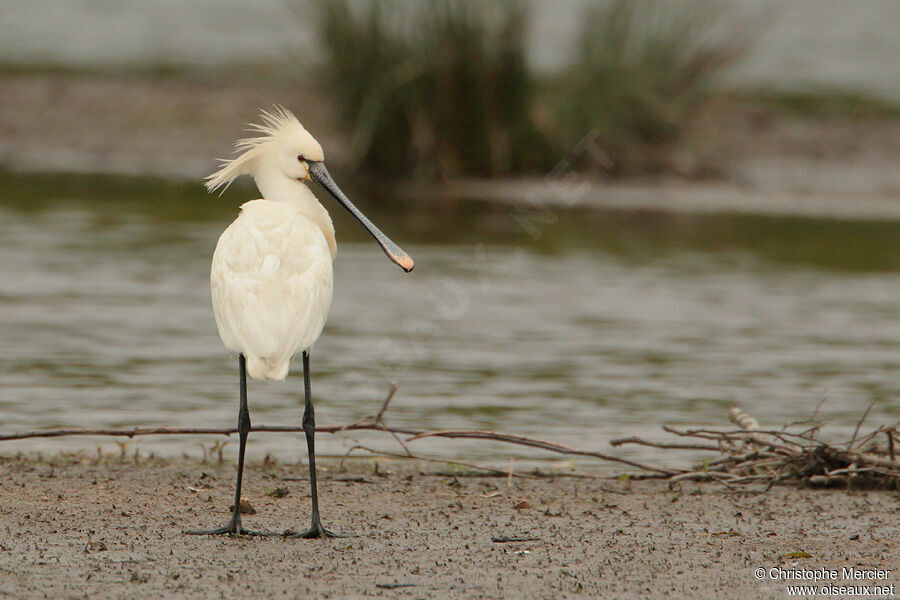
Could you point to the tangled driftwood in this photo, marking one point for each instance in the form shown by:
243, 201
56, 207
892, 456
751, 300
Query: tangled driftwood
795, 453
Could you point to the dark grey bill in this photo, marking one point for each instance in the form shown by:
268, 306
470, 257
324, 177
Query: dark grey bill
318, 172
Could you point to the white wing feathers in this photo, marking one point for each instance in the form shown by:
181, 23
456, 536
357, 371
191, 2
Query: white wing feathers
271, 284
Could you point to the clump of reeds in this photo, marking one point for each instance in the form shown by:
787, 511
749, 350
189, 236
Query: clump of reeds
442, 88
433, 88
641, 71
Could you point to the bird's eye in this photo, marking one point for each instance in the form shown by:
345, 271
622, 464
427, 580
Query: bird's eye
300, 158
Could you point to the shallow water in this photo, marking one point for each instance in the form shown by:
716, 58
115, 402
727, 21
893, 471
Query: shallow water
579, 328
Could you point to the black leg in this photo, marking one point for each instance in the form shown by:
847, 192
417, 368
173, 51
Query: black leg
316, 528
234, 525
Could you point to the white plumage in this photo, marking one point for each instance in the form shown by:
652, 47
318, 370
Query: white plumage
271, 276
271, 283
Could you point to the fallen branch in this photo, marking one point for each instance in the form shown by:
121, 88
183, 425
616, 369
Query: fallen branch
140, 431
416, 434
375, 423
544, 445
640, 442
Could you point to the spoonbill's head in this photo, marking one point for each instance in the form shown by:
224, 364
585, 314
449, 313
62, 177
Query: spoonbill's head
285, 150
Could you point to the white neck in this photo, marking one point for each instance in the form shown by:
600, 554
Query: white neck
278, 187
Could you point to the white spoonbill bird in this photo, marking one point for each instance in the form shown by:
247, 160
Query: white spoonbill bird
271, 276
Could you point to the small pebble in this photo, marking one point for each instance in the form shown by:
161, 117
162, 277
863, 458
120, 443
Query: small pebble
246, 508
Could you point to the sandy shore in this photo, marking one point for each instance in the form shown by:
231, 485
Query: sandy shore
773, 163
77, 528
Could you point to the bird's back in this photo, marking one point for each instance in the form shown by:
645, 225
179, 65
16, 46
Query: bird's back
271, 283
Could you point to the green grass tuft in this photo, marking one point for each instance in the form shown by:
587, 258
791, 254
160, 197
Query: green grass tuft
442, 88
435, 88
642, 70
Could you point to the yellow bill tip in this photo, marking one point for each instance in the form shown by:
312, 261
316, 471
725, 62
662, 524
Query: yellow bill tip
404, 261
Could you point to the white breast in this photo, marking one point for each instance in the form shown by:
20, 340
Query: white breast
271, 283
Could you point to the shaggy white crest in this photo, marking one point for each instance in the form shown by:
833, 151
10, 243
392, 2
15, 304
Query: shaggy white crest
282, 141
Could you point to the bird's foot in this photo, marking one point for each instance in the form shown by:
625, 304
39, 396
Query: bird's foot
316, 530
232, 529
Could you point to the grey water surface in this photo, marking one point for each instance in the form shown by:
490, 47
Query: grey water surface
586, 327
